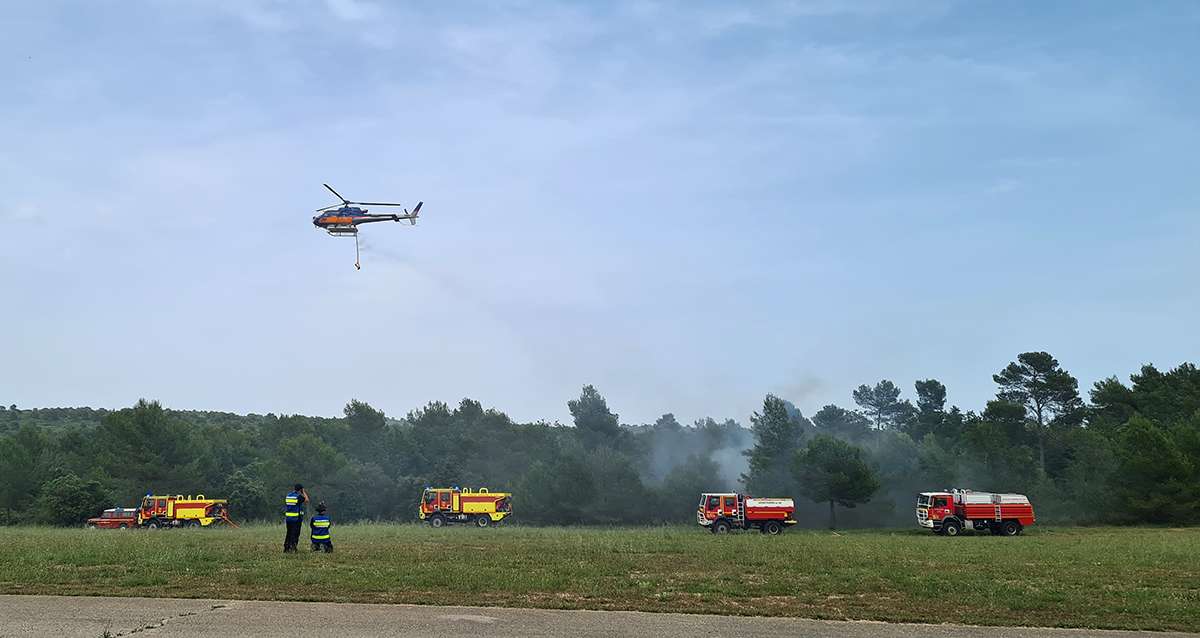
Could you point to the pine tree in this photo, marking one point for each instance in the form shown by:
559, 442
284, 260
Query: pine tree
777, 436
833, 471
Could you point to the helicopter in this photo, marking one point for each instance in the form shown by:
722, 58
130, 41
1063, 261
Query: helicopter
343, 220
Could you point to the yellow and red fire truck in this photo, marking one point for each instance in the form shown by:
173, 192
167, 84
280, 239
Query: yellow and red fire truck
182, 511
443, 505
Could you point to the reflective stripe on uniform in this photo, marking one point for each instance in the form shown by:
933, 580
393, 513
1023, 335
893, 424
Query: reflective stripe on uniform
291, 506
320, 528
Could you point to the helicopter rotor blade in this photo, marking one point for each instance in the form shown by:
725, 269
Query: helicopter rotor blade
373, 204
339, 196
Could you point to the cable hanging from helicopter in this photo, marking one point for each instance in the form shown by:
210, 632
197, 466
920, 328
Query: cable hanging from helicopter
343, 220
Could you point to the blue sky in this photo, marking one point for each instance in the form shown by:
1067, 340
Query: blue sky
686, 204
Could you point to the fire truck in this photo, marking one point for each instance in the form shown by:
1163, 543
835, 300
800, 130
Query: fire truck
953, 511
182, 511
444, 505
725, 511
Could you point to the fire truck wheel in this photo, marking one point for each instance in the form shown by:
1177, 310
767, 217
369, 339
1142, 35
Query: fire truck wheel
193, 523
90, 526
1010, 528
720, 527
773, 528
153, 524
951, 528
122, 526
483, 521
437, 521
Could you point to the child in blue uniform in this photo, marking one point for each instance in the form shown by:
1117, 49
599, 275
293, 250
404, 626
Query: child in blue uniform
319, 528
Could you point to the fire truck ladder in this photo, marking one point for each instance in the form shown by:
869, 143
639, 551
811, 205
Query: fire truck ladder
741, 510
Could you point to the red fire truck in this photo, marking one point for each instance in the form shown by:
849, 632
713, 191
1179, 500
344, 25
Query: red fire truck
953, 511
724, 511
114, 518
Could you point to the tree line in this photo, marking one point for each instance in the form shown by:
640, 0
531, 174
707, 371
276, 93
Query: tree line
1129, 454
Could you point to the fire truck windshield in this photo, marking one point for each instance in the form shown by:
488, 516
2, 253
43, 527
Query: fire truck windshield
923, 500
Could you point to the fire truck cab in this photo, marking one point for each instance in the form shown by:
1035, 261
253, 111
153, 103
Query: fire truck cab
951, 512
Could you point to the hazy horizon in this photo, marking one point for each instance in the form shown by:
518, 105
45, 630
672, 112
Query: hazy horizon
687, 205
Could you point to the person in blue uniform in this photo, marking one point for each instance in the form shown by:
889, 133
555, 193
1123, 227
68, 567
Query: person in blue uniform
293, 517
319, 530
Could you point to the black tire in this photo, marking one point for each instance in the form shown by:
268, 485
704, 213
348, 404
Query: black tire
153, 524
951, 528
721, 527
437, 522
122, 526
90, 526
193, 523
483, 521
1010, 528
773, 528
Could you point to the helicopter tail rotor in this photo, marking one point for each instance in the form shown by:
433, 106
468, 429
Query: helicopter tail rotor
412, 217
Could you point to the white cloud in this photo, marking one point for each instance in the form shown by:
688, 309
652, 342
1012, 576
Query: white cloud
353, 10
22, 212
272, 16
1003, 186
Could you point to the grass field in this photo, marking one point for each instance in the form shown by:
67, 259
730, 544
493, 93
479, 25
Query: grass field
1132, 578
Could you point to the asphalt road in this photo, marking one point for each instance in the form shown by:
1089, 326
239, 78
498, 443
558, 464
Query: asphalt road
91, 617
